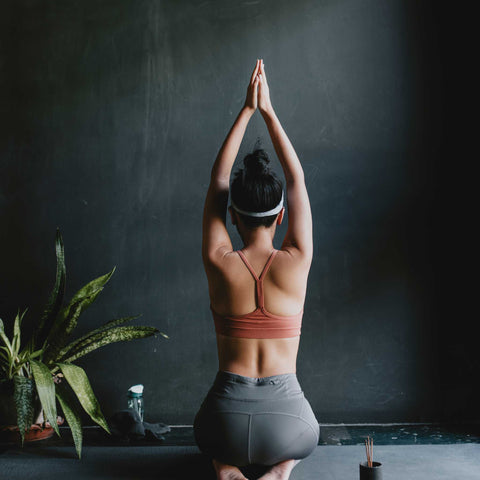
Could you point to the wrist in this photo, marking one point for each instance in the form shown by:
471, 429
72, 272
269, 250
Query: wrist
249, 111
267, 112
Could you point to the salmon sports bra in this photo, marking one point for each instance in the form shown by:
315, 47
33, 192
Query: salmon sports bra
260, 323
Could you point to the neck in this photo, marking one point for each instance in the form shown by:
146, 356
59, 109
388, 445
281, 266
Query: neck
258, 239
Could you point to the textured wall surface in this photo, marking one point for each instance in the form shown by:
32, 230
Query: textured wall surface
112, 115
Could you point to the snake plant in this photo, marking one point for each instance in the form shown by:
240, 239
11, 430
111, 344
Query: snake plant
44, 366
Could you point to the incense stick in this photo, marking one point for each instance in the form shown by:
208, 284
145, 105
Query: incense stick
369, 450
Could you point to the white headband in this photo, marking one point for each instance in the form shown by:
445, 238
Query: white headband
273, 211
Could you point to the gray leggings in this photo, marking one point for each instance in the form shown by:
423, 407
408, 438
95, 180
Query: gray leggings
262, 421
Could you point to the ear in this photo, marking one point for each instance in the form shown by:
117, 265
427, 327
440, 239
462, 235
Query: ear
233, 217
280, 216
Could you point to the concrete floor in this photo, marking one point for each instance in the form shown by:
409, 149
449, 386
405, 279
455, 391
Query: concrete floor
327, 462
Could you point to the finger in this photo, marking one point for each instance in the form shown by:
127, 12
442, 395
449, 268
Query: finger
255, 71
255, 87
262, 69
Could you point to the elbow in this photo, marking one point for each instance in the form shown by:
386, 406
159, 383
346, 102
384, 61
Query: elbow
295, 178
221, 182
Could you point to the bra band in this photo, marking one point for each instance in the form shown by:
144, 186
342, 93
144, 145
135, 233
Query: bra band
268, 213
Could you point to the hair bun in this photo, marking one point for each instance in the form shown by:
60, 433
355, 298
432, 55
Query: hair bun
256, 163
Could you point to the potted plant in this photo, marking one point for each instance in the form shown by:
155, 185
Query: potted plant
35, 374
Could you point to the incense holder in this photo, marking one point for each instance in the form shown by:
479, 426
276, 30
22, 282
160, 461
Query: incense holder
371, 473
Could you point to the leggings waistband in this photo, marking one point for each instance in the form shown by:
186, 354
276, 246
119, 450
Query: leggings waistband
235, 386
223, 375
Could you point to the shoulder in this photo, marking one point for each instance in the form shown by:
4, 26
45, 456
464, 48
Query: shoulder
290, 255
289, 272
220, 258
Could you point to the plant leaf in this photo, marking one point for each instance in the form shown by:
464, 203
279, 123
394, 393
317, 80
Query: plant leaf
59, 337
91, 287
55, 299
24, 394
16, 334
78, 380
4, 356
72, 347
4, 337
118, 334
68, 317
7, 350
46, 392
68, 403
33, 355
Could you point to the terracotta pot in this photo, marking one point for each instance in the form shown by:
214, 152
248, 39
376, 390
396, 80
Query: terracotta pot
9, 432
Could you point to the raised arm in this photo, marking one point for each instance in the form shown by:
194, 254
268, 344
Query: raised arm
299, 232
216, 240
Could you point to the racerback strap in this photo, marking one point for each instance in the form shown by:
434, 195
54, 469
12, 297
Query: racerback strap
258, 280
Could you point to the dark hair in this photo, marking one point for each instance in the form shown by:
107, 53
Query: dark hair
255, 188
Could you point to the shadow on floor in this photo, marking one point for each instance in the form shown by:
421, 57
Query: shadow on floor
141, 463
167, 463
413, 462
175, 466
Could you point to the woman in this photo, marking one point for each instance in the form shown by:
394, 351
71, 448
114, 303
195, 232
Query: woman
256, 412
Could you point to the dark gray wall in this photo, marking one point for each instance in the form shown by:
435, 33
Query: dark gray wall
112, 114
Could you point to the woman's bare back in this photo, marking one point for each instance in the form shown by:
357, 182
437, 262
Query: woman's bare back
232, 292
